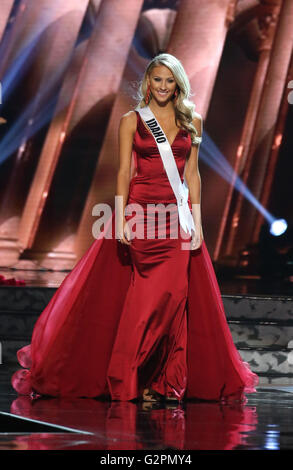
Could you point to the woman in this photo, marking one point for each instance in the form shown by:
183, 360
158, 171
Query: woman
142, 316
166, 94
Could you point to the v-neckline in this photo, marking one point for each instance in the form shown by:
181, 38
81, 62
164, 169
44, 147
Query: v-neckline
148, 131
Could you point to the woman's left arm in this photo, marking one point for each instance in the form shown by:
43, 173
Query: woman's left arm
193, 180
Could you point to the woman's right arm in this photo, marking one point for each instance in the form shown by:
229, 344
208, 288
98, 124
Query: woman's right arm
127, 128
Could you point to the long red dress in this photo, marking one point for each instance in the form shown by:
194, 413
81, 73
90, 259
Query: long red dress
145, 315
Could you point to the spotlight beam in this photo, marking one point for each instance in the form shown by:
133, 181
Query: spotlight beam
212, 156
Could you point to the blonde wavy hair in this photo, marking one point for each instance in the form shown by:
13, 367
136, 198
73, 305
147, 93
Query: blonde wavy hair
184, 108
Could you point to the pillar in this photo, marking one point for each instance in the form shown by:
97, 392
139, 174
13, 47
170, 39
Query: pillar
91, 99
6, 6
245, 216
274, 154
242, 162
56, 26
197, 39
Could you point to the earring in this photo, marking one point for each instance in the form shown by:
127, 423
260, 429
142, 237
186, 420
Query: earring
175, 95
147, 98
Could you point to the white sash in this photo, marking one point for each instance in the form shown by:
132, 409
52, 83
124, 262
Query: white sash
180, 189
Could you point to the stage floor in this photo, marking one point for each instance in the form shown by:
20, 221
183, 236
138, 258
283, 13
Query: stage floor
265, 422
231, 283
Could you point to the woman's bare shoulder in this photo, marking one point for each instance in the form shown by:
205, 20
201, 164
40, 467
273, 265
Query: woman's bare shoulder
198, 124
128, 121
196, 117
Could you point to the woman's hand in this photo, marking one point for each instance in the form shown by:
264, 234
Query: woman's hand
197, 238
123, 233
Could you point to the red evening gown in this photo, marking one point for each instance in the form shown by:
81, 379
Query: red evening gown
145, 315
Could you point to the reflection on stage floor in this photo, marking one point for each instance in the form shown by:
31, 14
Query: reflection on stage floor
264, 422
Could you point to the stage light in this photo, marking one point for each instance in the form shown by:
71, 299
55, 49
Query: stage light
278, 227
